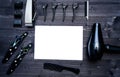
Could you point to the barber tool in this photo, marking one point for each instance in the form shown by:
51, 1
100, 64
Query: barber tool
14, 47
18, 14
54, 7
30, 13
64, 7
18, 4
87, 9
17, 22
19, 58
34, 13
17, 18
74, 8
44, 7
60, 68
116, 23
95, 45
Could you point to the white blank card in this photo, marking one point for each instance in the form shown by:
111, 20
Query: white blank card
58, 42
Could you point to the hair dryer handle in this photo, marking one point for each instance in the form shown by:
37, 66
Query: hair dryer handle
112, 49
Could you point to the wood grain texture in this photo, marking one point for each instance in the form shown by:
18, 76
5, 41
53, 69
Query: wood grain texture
102, 11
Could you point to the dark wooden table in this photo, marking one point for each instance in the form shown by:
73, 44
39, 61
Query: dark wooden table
102, 11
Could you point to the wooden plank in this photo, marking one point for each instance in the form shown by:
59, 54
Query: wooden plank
102, 11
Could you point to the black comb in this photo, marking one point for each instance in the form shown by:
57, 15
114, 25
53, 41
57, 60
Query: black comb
60, 68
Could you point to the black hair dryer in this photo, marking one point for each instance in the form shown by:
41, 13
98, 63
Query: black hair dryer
96, 46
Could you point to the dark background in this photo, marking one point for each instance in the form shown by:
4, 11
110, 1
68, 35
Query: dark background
106, 12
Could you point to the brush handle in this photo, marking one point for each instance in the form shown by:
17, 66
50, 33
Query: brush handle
112, 49
74, 70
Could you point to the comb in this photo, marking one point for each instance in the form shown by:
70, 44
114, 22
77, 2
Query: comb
59, 68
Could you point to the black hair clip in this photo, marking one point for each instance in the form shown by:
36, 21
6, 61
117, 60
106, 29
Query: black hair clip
54, 7
64, 7
74, 8
44, 7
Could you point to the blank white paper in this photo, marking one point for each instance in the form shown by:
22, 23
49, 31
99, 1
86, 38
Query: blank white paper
58, 42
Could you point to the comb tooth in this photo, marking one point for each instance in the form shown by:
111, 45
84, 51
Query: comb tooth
57, 68
53, 67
